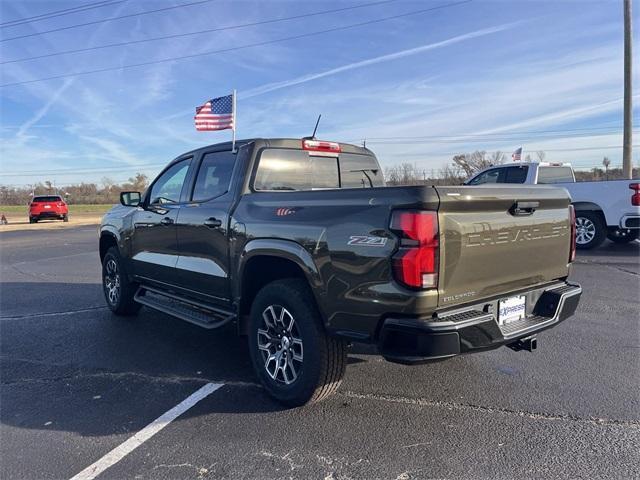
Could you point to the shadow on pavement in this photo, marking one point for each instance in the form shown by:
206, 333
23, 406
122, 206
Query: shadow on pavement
610, 249
91, 372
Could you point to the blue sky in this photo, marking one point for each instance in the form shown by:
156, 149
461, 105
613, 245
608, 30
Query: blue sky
485, 74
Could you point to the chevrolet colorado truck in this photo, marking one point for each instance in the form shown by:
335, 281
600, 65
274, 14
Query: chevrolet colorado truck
604, 209
300, 244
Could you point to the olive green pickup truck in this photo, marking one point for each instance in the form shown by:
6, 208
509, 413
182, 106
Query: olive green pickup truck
300, 244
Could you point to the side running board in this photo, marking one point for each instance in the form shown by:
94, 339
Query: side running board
192, 311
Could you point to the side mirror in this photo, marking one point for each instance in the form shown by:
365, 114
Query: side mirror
130, 199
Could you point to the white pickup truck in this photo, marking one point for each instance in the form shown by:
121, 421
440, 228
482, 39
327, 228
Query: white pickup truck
608, 209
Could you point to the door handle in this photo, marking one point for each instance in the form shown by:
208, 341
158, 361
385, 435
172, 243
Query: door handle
523, 208
166, 221
213, 222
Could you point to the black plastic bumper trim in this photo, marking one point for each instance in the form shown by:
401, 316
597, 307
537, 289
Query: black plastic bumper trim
413, 341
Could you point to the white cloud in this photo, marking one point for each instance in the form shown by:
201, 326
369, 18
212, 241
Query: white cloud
270, 87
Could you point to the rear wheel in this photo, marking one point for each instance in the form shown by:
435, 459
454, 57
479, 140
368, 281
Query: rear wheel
65, 218
118, 290
33, 220
590, 230
294, 358
622, 235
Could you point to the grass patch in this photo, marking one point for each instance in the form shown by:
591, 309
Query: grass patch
97, 209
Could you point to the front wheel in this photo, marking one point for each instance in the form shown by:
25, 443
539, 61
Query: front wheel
622, 235
118, 290
294, 358
590, 230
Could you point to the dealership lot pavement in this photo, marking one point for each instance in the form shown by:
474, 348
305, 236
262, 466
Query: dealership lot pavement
77, 383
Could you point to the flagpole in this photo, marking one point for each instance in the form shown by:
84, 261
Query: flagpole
233, 143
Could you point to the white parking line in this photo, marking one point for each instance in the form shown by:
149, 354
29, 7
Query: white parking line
122, 450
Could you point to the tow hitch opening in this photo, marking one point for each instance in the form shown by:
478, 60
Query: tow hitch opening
529, 344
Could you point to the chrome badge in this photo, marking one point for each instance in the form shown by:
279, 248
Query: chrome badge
367, 241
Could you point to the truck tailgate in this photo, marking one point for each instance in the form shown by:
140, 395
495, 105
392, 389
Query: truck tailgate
497, 240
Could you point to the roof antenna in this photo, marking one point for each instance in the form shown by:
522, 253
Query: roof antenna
313, 135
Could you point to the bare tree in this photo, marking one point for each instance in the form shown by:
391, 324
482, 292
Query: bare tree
107, 183
498, 158
541, 154
471, 163
137, 183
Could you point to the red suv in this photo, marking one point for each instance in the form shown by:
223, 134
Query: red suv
48, 206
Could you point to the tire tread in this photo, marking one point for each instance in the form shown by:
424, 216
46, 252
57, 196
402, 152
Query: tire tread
332, 350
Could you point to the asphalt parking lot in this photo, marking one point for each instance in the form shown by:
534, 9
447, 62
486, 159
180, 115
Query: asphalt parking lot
77, 383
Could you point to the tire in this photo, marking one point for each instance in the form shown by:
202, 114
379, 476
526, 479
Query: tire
65, 218
33, 220
118, 290
317, 371
622, 235
590, 230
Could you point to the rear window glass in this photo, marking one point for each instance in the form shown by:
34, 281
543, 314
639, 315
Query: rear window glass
295, 170
555, 175
360, 171
49, 198
281, 169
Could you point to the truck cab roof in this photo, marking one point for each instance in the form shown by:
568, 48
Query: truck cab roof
295, 143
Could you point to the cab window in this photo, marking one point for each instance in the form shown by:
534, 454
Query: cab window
168, 186
359, 171
292, 170
490, 176
548, 175
514, 175
214, 175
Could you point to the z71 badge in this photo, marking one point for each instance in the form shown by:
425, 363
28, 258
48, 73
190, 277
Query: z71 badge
367, 241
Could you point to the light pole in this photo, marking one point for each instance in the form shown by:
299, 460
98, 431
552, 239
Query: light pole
627, 170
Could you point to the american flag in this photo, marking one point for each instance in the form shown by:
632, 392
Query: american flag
517, 155
216, 114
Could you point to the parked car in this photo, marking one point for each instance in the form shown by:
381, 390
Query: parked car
605, 209
301, 245
44, 207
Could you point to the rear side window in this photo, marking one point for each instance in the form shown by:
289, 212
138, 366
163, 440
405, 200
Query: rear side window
280, 169
515, 175
48, 198
555, 175
214, 175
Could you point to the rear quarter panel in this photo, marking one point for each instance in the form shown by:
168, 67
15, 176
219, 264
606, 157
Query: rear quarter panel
613, 197
357, 282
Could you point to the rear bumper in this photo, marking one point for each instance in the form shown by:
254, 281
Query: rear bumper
630, 221
48, 214
473, 329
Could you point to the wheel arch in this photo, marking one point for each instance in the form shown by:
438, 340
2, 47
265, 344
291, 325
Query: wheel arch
265, 260
589, 207
108, 239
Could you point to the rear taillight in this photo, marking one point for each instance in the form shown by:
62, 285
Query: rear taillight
635, 198
572, 219
416, 262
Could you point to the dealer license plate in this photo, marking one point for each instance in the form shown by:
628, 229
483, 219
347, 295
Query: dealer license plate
511, 309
